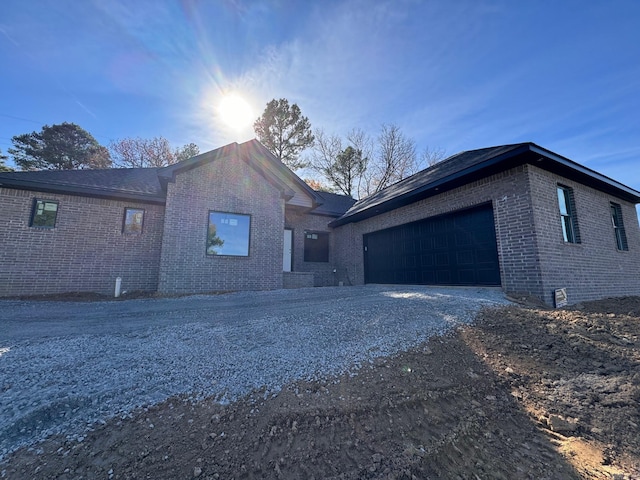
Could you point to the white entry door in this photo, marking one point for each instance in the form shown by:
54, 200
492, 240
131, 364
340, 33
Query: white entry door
287, 250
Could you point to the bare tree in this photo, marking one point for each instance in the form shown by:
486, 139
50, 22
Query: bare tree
186, 152
368, 165
324, 152
317, 185
430, 156
149, 152
394, 159
361, 140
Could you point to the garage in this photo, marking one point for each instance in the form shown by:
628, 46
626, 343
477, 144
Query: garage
454, 249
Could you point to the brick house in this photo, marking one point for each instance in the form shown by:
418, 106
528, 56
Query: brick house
515, 216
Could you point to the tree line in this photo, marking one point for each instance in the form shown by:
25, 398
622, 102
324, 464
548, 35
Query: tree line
357, 164
67, 146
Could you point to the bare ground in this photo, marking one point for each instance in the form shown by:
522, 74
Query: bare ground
526, 392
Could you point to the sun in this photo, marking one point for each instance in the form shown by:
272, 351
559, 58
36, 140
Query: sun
235, 111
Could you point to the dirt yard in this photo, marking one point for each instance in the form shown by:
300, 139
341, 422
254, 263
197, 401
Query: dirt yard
526, 392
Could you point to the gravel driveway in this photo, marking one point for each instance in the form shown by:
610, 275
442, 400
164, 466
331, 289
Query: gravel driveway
65, 366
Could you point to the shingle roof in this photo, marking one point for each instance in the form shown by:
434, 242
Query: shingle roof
141, 183
149, 184
333, 204
471, 165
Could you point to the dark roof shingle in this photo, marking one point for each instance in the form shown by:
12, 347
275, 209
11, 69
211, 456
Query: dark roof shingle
474, 164
127, 182
333, 204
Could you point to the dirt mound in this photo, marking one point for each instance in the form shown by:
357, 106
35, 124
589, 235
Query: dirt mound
524, 393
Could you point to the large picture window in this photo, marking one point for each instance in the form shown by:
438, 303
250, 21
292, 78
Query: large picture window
44, 214
570, 232
316, 247
228, 234
618, 227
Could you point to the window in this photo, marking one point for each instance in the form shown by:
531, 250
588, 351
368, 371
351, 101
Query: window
316, 247
44, 214
618, 227
570, 231
228, 234
133, 219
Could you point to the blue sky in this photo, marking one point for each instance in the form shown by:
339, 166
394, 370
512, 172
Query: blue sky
454, 75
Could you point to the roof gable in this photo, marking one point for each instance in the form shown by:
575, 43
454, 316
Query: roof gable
258, 157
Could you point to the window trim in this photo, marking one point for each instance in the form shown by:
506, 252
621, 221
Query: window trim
249, 216
619, 232
34, 208
315, 232
568, 219
124, 221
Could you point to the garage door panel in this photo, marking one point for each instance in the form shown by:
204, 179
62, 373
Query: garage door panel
465, 257
427, 260
409, 246
426, 243
467, 276
428, 277
442, 259
488, 276
443, 277
440, 241
464, 239
485, 256
454, 249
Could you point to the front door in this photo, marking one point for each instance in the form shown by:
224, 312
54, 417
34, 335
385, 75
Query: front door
287, 250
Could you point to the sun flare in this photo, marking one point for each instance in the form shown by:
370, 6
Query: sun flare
235, 111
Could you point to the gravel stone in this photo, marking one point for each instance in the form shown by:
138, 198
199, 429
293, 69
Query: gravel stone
65, 366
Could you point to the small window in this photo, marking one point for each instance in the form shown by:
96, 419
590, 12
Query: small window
570, 232
228, 234
133, 220
44, 214
316, 247
618, 227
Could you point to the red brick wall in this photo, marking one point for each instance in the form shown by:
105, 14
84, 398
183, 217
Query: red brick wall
226, 185
85, 251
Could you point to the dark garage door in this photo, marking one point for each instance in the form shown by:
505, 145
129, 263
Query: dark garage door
453, 249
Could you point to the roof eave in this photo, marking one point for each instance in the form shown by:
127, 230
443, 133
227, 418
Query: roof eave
588, 176
81, 191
